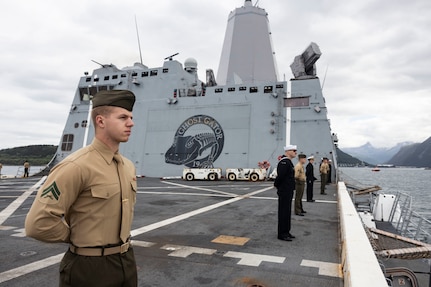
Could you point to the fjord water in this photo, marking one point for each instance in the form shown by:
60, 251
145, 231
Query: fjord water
413, 181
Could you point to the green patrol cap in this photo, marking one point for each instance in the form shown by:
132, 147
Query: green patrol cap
116, 98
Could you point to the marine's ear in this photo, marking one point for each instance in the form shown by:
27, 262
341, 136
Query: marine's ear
100, 121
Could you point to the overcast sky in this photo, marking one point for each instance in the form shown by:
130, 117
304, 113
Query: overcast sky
375, 64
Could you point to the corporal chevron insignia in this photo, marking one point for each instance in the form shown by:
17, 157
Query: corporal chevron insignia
52, 192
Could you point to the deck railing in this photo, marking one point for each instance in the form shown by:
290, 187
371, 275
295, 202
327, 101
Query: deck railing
408, 222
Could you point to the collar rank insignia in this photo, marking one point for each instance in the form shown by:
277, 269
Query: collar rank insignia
52, 192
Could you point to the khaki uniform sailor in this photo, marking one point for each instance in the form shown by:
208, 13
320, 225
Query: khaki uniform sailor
88, 201
299, 184
26, 168
324, 170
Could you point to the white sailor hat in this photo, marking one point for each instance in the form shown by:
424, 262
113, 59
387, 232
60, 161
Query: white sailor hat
290, 147
310, 157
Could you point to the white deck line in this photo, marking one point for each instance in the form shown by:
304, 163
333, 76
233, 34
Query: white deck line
359, 263
200, 188
5, 213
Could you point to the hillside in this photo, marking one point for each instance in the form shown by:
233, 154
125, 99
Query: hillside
35, 154
345, 159
373, 155
417, 155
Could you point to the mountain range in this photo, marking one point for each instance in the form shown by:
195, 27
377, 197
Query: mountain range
402, 154
418, 154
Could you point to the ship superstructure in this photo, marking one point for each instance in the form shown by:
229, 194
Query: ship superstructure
238, 120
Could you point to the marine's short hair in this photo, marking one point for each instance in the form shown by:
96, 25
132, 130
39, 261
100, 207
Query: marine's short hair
102, 110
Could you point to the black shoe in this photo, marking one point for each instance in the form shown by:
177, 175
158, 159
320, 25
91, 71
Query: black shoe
299, 214
285, 238
291, 236
311, 200
303, 211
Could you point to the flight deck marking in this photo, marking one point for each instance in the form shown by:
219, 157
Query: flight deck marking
4, 227
20, 232
25, 269
186, 215
183, 193
200, 188
141, 243
251, 259
17, 272
5, 213
234, 240
184, 251
325, 268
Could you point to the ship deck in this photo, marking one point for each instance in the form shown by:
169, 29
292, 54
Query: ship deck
193, 234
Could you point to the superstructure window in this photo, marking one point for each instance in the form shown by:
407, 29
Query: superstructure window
267, 89
231, 89
87, 92
88, 79
106, 78
243, 88
67, 142
279, 86
144, 74
219, 90
253, 89
153, 73
297, 102
123, 75
114, 77
165, 70
134, 74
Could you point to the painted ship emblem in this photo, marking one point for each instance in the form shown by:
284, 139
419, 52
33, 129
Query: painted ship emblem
198, 143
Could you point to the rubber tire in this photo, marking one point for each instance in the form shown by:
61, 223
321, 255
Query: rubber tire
231, 176
212, 176
254, 177
190, 177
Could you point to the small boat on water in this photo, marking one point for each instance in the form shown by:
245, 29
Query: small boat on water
375, 169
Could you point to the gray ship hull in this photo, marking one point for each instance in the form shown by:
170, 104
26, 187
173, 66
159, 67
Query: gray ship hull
243, 128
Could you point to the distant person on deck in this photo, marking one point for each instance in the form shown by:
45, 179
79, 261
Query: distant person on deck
285, 184
26, 168
1, 166
328, 181
309, 174
299, 184
324, 170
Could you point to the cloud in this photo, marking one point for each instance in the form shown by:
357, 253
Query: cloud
375, 62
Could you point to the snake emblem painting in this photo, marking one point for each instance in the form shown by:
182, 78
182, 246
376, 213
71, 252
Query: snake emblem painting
198, 143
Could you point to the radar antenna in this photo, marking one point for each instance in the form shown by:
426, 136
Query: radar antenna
139, 42
303, 65
171, 57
